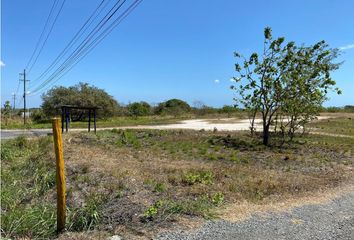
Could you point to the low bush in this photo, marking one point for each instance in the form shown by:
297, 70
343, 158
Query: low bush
194, 177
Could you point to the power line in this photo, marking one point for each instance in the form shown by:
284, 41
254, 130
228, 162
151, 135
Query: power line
93, 31
14, 101
18, 87
42, 33
45, 41
78, 34
37, 44
82, 55
86, 46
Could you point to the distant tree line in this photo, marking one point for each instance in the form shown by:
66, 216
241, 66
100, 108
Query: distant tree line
85, 95
346, 108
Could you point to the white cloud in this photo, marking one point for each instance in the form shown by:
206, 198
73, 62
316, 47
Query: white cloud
217, 81
346, 47
232, 80
2, 64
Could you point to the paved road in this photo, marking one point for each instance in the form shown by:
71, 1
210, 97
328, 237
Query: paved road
195, 124
8, 134
333, 220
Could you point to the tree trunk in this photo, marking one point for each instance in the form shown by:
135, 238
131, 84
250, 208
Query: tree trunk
252, 123
266, 134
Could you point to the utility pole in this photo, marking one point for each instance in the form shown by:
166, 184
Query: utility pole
24, 95
14, 101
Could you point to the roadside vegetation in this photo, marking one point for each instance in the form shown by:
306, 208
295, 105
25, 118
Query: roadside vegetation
138, 182
341, 126
28, 202
17, 122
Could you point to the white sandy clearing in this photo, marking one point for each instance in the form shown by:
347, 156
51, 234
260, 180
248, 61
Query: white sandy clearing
224, 124
231, 124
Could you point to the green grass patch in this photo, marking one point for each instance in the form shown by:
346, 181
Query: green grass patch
155, 185
165, 209
342, 126
28, 192
199, 176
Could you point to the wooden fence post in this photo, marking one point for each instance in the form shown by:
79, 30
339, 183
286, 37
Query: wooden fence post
60, 179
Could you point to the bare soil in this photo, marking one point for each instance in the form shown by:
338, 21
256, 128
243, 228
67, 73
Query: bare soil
136, 169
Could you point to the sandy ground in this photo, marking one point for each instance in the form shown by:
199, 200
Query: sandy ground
206, 124
224, 124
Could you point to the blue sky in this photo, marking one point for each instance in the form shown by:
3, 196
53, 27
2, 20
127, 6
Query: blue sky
173, 49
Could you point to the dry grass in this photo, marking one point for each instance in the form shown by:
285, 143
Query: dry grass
135, 183
244, 209
338, 124
338, 114
163, 170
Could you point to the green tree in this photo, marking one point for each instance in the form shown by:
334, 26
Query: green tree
38, 116
349, 108
174, 107
82, 95
139, 109
199, 108
285, 82
228, 110
6, 111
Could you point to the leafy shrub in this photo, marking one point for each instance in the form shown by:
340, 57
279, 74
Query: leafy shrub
81, 94
128, 138
152, 211
173, 107
139, 109
217, 198
38, 116
228, 109
203, 177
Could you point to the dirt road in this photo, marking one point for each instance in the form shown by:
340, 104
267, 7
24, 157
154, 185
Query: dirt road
195, 124
331, 220
225, 124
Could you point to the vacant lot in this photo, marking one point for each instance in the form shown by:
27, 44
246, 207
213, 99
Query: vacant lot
136, 183
16, 122
337, 124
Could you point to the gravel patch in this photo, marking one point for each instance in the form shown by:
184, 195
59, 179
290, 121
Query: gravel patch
332, 220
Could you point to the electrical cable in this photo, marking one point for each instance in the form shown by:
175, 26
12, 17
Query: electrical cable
82, 50
42, 33
45, 41
63, 71
78, 34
